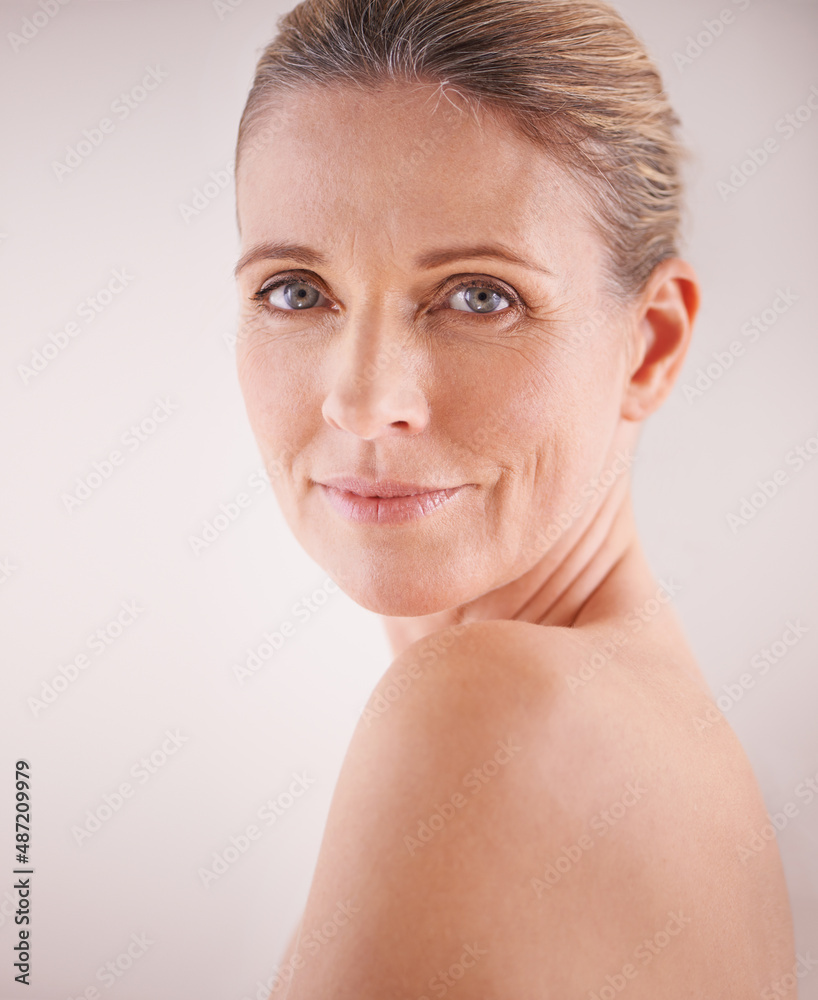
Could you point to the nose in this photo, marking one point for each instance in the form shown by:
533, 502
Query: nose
374, 390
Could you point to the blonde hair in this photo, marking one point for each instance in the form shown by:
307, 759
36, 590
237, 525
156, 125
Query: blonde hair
569, 75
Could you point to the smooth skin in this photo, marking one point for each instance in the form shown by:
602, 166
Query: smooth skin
593, 808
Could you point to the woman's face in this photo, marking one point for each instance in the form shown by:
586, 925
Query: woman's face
444, 325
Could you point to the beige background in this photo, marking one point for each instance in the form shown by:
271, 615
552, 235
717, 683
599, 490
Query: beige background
165, 336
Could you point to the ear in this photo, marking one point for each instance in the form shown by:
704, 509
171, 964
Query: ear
660, 336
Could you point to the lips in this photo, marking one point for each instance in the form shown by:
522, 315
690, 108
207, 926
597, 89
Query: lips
381, 488
384, 501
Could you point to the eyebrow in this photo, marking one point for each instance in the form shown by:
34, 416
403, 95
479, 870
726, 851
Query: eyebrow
496, 251
432, 258
274, 251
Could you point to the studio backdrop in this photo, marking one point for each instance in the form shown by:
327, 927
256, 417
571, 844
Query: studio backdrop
179, 680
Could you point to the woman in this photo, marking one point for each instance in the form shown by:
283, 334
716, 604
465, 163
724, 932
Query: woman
461, 296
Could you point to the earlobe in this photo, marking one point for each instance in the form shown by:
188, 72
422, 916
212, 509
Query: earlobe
663, 326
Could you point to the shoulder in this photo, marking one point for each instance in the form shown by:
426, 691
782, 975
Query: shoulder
453, 701
484, 658
558, 688
484, 810
459, 691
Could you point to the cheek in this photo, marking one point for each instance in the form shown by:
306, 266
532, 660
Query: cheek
276, 396
555, 414
527, 400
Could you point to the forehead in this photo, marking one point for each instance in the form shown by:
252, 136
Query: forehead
408, 161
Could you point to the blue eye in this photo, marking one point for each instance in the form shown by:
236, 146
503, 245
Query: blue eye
480, 298
294, 295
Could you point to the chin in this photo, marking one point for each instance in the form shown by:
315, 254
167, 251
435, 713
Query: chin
401, 592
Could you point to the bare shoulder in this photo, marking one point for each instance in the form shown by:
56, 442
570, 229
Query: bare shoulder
495, 823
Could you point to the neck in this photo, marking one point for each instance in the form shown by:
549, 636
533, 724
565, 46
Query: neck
593, 573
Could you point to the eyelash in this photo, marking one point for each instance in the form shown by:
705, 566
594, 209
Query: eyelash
515, 302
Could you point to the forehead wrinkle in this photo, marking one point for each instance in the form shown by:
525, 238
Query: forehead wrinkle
534, 213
